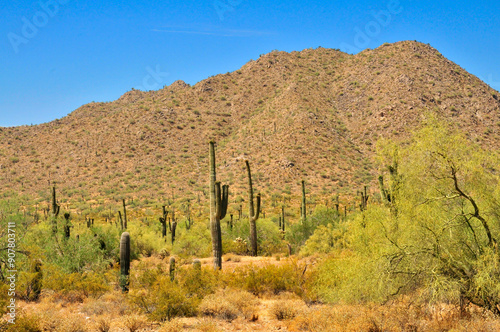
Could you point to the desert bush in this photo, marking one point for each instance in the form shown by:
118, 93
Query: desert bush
195, 242
272, 279
92, 251
25, 322
73, 323
174, 325
324, 240
297, 234
215, 305
207, 325
144, 240
103, 323
163, 300
269, 238
284, 310
199, 283
134, 323
76, 286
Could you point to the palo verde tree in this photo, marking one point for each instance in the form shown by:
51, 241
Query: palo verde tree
253, 212
218, 209
443, 238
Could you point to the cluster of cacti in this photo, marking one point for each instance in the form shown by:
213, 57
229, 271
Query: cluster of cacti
253, 212
218, 208
125, 261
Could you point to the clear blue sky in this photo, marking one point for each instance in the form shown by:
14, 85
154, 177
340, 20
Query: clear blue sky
57, 55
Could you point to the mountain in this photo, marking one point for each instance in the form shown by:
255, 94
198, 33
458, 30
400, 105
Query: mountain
314, 115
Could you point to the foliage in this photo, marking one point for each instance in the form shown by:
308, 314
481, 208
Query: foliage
440, 235
271, 279
298, 233
163, 300
269, 238
228, 304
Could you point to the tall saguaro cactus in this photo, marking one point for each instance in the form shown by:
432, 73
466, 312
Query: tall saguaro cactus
283, 218
218, 209
55, 206
124, 261
253, 214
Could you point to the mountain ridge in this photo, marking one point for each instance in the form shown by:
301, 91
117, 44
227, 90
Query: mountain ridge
313, 115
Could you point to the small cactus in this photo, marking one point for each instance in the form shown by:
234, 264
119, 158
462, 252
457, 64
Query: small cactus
36, 282
172, 269
124, 261
124, 214
197, 264
67, 226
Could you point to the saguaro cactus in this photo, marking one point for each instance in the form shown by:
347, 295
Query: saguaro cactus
364, 199
197, 264
283, 218
55, 211
253, 214
172, 269
163, 221
124, 214
218, 209
55, 206
67, 226
303, 206
124, 261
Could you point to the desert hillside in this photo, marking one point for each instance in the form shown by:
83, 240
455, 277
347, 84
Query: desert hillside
314, 115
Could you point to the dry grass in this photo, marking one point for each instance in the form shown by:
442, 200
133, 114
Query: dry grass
230, 304
285, 312
287, 306
391, 318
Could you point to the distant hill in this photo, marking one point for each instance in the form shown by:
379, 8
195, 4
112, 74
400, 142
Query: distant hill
314, 115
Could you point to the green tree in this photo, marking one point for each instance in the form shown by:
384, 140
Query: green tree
439, 234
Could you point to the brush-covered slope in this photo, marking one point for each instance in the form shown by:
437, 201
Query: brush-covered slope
313, 115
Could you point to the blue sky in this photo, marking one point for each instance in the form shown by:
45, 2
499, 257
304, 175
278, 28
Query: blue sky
57, 55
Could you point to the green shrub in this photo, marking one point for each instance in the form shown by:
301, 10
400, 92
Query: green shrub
270, 279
